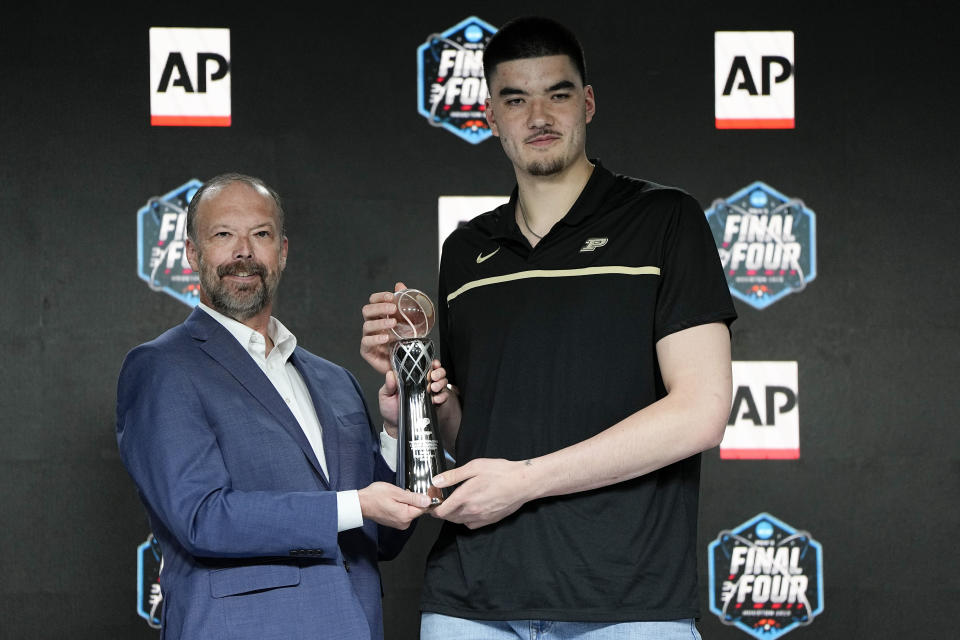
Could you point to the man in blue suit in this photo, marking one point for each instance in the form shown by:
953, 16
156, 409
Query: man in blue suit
263, 480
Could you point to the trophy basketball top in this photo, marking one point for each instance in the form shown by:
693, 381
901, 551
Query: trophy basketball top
414, 314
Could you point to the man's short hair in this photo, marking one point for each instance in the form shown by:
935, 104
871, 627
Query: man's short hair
532, 37
224, 179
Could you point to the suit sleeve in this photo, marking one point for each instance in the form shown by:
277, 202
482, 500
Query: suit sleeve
174, 457
389, 540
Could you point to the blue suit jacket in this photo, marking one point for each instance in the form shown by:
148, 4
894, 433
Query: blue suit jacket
245, 517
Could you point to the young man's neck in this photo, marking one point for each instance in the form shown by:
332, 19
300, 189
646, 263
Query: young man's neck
544, 200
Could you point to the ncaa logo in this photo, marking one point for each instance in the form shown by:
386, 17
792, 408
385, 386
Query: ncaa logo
161, 244
766, 578
451, 89
754, 79
149, 596
767, 243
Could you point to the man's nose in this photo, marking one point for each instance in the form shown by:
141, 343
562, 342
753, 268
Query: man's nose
539, 115
243, 248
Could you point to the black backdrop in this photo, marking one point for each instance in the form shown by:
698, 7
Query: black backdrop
324, 109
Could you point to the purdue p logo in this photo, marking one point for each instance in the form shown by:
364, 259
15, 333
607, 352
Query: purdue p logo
593, 243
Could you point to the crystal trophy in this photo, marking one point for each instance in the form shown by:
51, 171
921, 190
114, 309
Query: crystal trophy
420, 454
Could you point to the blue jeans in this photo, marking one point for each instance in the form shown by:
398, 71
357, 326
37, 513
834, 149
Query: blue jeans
434, 626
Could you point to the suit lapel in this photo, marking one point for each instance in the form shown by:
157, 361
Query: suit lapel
220, 345
317, 382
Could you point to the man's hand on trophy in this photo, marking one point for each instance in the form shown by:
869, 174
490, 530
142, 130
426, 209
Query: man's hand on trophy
438, 384
489, 491
389, 398
377, 341
390, 505
389, 395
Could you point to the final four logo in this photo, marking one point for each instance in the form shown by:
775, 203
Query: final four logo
451, 90
161, 244
765, 577
149, 596
767, 243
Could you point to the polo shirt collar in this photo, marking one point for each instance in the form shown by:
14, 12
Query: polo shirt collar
587, 204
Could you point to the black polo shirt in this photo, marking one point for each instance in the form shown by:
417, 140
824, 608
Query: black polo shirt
550, 346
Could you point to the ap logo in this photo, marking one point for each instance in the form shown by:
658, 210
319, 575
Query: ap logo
161, 245
190, 77
767, 243
754, 81
765, 577
451, 90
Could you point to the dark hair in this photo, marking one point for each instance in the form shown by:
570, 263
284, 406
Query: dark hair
224, 179
532, 37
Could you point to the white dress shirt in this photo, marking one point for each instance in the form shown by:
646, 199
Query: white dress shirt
290, 385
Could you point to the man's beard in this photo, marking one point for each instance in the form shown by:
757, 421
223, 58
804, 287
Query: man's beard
239, 302
547, 168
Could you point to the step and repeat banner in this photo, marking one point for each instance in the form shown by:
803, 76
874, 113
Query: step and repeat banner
820, 141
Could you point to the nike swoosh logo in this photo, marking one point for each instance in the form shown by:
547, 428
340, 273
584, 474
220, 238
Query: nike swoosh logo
481, 257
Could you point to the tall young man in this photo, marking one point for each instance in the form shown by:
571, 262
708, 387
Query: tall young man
584, 327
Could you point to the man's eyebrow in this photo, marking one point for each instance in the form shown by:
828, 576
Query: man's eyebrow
513, 91
563, 84
226, 226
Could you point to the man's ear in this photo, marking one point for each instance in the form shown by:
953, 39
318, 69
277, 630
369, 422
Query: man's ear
193, 255
491, 119
590, 102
